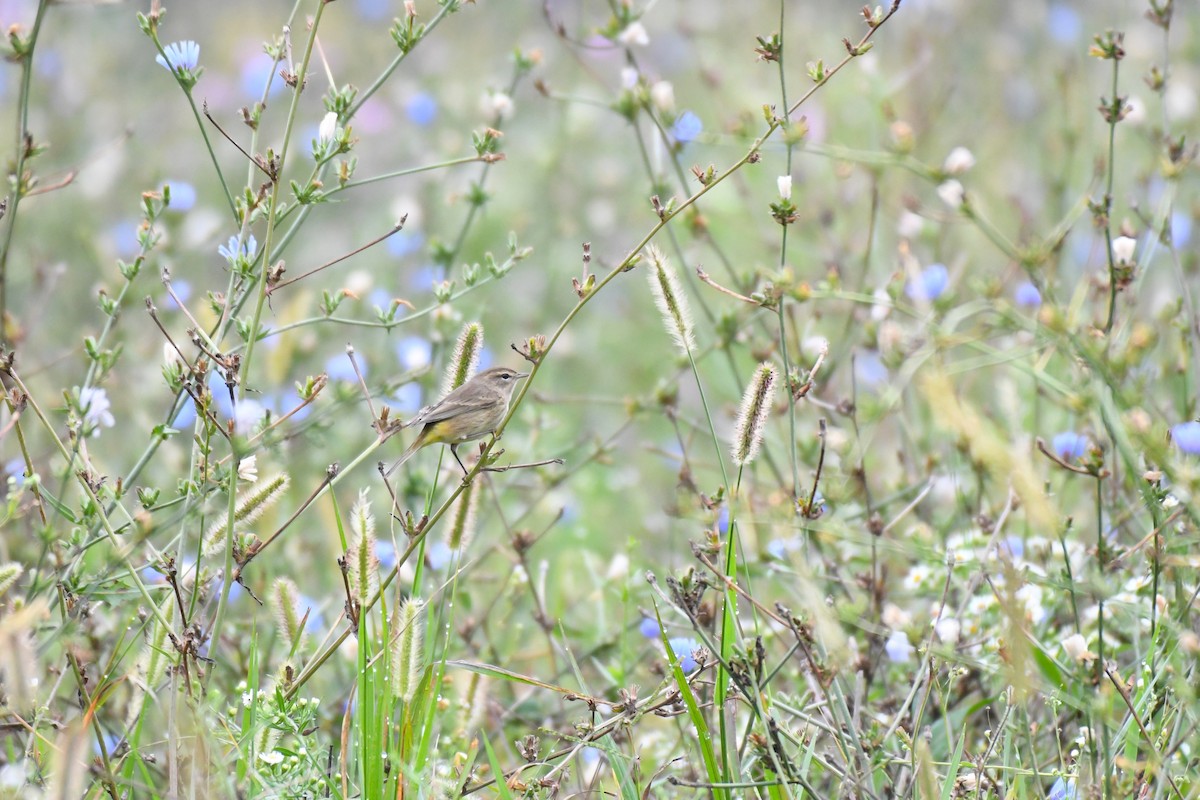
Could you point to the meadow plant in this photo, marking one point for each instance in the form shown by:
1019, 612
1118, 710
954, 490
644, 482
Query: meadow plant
902, 505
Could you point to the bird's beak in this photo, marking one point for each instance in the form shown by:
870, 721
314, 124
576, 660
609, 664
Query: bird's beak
523, 374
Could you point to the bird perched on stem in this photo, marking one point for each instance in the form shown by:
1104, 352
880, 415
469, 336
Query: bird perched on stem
470, 412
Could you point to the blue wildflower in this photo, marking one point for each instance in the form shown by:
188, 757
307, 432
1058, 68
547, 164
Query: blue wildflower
183, 290
257, 70
1063, 23
385, 551
1063, 789
285, 402
869, 369
1070, 445
152, 575
407, 399
124, 236
339, 368
403, 243
220, 394
316, 620
380, 298
232, 250
180, 57
185, 417
683, 647
649, 628
414, 353
183, 196
1015, 546
438, 555
686, 128
421, 109
1027, 295
1187, 436
898, 648
930, 284
1181, 229
14, 468
723, 520
373, 9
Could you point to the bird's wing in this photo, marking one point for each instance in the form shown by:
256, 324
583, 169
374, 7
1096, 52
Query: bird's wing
449, 406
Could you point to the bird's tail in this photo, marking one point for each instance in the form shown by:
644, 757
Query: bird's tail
406, 455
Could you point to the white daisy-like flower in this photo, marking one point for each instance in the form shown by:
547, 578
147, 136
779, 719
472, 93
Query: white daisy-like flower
1123, 248
248, 469
662, 94
917, 577
634, 35
952, 193
959, 161
328, 128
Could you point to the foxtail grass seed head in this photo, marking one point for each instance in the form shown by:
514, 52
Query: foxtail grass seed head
466, 357
289, 614
363, 565
250, 505
462, 526
8, 575
752, 416
671, 301
408, 649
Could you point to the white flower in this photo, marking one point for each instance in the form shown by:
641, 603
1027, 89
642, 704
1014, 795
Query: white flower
662, 94
948, 630
97, 411
248, 469
328, 128
917, 576
1180, 101
910, 225
360, 282
895, 617
1135, 111
978, 604
629, 77
1030, 596
499, 105
882, 306
634, 35
814, 346
12, 777
247, 415
952, 193
959, 161
1075, 646
1123, 248
898, 648
618, 568
274, 757
784, 182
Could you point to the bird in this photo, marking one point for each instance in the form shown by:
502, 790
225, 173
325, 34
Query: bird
470, 412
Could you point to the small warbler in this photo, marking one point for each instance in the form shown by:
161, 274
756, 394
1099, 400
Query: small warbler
470, 412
